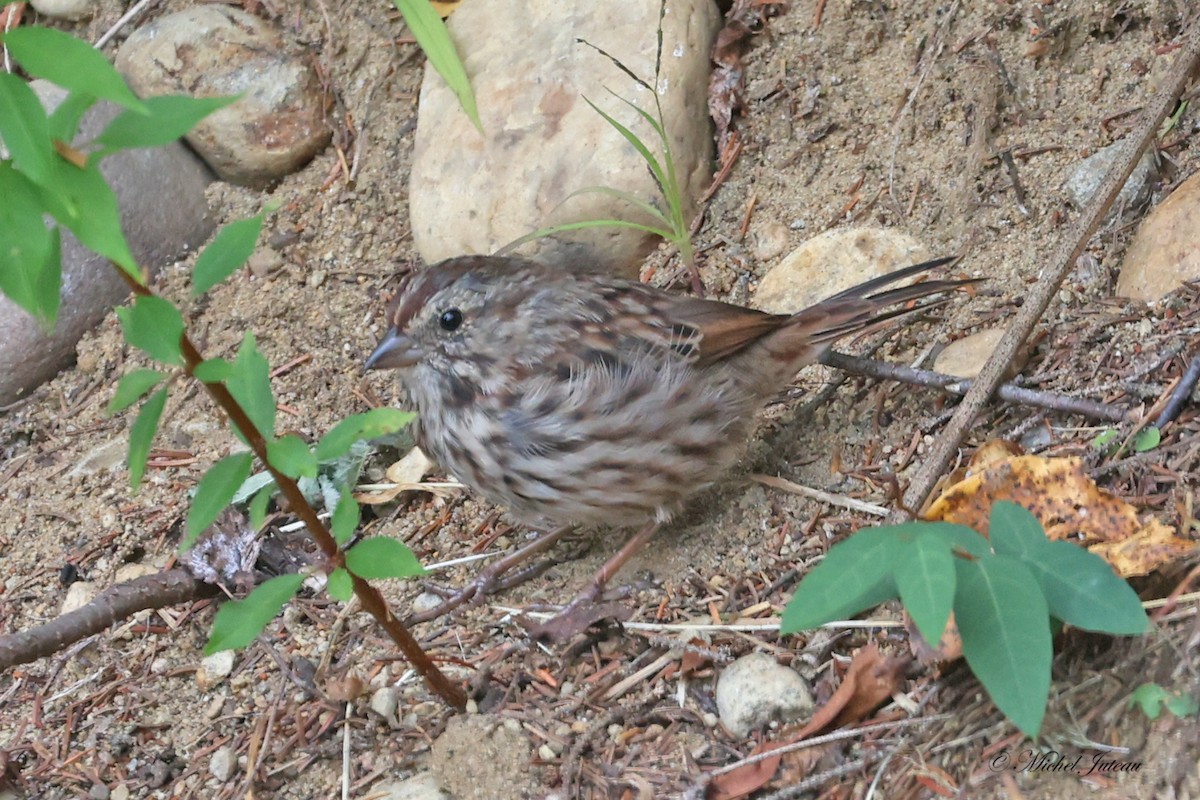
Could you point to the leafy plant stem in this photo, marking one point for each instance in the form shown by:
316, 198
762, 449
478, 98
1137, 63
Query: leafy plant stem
370, 598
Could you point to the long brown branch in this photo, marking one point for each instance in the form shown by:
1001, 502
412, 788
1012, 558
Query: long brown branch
1058, 266
372, 601
1007, 392
111, 606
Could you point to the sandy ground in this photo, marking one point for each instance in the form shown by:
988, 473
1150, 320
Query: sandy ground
892, 140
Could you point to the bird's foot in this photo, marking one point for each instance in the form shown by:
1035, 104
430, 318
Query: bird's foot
499, 575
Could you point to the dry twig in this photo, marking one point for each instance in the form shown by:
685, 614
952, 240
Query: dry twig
1064, 258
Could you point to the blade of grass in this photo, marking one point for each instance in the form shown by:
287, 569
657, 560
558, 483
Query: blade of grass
542, 233
434, 39
656, 168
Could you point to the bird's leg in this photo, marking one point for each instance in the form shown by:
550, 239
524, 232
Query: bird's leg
489, 577
584, 610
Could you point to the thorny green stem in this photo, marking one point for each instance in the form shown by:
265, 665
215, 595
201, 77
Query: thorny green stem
370, 598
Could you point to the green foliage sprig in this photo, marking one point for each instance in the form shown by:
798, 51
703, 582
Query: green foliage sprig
1006, 592
43, 175
672, 224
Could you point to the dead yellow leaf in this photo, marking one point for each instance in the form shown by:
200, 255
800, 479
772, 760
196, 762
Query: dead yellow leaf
1067, 502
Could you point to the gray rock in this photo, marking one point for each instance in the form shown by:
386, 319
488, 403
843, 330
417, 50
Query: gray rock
107, 456
211, 50
161, 195
79, 594
1086, 178
64, 9
426, 601
754, 690
214, 669
473, 193
384, 702
222, 763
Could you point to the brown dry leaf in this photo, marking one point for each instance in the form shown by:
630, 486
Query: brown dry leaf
343, 689
1067, 502
747, 778
870, 680
800, 764
727, 80
694, 660
949, 647
874, 678
414, 466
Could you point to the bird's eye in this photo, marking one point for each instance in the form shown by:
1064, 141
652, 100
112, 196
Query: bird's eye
450, 319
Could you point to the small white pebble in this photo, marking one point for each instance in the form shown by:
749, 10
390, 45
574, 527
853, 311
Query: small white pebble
222, 763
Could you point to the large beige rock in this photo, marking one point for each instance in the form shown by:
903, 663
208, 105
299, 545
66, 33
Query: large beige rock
473, 193
833, 261
965, 357
213, 50
1164, 254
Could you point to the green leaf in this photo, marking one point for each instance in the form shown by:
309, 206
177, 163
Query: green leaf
431, 34
340, 585
229, 250
1149, 697
30, 255
925, 576
141, 435
250, 385
1147, 439
1152, 698
132, 387
253, 485
82, 201
239, 622
167, 118
1015, 531
371, 425
216, 489
212, 370
627, 197
381, 557
65, 120
1082, 590
1002, 618
25, 129
854, 576
291, 455
345, 518
154, 325
961, 538
1105, 438
1182, 705
258, 505
71, 63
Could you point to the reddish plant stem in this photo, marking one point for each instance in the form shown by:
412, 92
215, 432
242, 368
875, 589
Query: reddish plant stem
372, 601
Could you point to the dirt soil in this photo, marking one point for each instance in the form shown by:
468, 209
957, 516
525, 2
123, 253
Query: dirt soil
887, 114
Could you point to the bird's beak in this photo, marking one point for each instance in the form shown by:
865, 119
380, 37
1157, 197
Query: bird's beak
395, 351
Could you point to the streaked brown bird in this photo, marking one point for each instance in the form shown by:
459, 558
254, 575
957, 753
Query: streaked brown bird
571, 398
